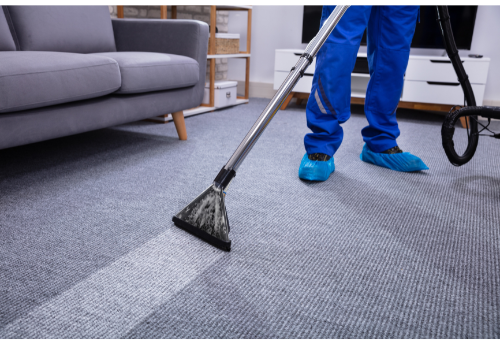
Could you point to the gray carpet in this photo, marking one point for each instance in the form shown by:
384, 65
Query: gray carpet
88, 249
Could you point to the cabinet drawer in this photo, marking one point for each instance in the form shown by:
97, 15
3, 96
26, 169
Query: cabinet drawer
285, 60
420, 91
439, 70
358, 84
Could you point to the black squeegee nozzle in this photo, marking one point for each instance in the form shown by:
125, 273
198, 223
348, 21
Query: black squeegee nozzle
206, 217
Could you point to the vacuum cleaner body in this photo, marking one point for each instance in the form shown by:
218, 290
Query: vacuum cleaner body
471, 111
206, 216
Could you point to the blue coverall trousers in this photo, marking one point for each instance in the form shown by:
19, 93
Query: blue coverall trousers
389, 34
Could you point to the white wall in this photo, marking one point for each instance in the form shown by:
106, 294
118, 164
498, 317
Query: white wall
486, 41
273, 27
280, 27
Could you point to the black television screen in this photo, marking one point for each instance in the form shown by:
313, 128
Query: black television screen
427, 32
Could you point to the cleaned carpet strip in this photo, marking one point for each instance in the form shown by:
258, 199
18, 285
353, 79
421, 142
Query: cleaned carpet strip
115, 299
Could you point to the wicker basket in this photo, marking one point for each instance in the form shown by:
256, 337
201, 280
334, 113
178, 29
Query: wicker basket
226, 43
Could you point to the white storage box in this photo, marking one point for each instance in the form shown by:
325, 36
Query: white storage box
224, 93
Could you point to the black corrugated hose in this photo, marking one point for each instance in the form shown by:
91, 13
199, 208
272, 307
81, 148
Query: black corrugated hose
448, 128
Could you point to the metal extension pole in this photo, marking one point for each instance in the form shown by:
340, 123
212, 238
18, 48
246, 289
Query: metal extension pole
286, 87
206, 216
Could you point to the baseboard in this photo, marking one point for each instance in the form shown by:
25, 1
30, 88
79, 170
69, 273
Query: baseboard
257, 89
491, 103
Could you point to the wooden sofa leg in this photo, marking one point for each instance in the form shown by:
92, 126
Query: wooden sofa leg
180, 125
287, 101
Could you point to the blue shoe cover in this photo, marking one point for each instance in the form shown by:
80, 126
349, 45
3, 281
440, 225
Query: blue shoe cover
315, 170
403, 162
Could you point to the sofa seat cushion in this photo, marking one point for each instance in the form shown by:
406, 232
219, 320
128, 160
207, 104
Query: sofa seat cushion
151, 71
31, 79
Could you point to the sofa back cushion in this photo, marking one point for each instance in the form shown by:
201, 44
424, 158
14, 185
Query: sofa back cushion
80, 29
6, 40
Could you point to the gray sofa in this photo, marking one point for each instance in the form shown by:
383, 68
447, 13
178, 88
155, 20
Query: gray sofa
70, 69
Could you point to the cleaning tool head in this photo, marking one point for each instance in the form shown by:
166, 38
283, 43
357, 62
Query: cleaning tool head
206, 217
402, 161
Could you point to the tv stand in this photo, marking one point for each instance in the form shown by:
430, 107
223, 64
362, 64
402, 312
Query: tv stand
430, 81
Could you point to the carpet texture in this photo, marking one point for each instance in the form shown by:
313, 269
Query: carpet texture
88, 248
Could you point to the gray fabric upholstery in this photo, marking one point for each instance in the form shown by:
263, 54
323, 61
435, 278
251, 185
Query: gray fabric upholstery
81, 29
68, 119
6, 40
31, 79
149, 71
184, 38
180, 37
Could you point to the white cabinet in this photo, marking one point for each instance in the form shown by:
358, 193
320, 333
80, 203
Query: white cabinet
438, 93
428, 79
285, 59
440, 69
303, 86
433, 80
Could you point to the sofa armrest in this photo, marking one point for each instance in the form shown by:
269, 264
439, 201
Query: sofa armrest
181, 37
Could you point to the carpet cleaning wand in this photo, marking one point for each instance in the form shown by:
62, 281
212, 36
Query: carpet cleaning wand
206, 216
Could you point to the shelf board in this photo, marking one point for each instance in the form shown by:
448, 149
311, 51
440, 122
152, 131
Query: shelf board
234, 8
203, 109
228, 56
358, 94
241, 101
360, 75
198, 110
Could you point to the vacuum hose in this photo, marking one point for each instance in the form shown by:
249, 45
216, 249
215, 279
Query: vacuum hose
448, 128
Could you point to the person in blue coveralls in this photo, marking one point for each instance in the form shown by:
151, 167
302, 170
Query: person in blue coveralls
390, 30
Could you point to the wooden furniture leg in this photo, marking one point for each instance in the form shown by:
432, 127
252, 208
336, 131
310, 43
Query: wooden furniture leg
247, 78
213, 22
119, 12
287, 100
465, 122
211, 93
180, 125
163, 12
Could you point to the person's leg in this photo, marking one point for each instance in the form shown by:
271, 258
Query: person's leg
329, 103
390, 31
389, 35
